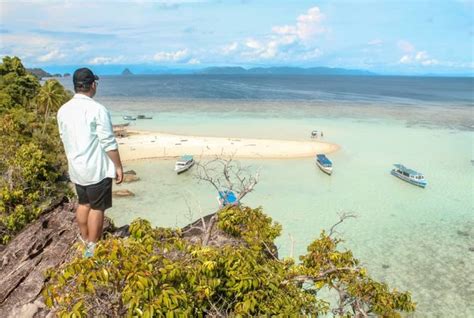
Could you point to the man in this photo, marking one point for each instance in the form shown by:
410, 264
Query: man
92, 152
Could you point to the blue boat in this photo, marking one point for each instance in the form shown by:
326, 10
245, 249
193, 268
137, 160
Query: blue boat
227, 198
409, 175
324, 163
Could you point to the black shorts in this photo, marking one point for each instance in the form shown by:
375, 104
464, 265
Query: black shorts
98, 195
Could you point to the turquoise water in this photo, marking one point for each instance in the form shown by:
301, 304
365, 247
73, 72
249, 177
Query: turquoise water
414, 239
412, 230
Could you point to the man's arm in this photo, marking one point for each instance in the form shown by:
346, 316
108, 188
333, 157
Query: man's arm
107, 140
114, 155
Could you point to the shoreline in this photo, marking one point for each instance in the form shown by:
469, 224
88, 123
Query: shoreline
143, 145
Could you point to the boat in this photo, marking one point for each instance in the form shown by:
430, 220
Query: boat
409, 175
144, 117
324, 163
127, 117
120, 125
184, 164
227, 198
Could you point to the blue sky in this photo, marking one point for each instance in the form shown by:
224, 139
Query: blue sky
390, 37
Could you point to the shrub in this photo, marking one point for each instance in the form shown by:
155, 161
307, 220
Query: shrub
157, 272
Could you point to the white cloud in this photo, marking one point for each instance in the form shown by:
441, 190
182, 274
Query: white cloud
406, 46
375, 42
227, 49
177, 56
406, 59
254, 44
310, 55
53, 55
307, 26
194, 61
430, 62
418, 57
104, 60
421, 56
288, 39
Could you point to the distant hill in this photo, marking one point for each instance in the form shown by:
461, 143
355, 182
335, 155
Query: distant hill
127, 72
38, 72
223, 70
284, 70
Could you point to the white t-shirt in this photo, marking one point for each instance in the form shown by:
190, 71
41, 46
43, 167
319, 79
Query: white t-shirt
86, 131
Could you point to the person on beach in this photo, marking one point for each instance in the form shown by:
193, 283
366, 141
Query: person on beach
92, 152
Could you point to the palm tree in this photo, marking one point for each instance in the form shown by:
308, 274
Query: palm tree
50, 97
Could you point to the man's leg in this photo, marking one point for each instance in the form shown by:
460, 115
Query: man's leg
95, 222
82, 215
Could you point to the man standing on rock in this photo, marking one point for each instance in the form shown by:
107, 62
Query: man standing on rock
92, 152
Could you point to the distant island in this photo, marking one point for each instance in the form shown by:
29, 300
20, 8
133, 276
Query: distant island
127, 72
283, 70
39, 72
147, 69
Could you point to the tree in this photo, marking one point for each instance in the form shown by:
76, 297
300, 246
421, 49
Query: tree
50, 97
17, 87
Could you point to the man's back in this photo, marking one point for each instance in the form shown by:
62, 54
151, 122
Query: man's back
86, 131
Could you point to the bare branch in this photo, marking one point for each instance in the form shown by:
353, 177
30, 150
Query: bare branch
227, 174
323, 275
208, 232
343, 216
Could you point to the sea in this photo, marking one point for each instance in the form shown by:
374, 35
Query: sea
415, 239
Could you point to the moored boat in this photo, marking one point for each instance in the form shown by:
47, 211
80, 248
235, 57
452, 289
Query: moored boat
128, 117
184, 164
227, 198
324, 163
409, 175
120, 125
144, 117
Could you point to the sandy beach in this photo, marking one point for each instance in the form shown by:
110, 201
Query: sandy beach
147, 145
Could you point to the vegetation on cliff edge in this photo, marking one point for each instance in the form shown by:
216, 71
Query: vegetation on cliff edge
32, 158
158, 272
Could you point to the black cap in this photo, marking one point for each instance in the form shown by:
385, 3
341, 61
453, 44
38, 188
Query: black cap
83, 77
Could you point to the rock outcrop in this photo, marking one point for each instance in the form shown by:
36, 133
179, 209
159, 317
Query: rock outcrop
127, 178
122, 193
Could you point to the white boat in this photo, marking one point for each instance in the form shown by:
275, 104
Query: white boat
184, 164
409, 175
128, 117
324, 163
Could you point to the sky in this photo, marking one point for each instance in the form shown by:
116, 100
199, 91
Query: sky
384, 36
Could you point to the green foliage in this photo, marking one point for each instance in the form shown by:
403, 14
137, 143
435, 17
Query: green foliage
17, 87
252, 225
156, 272
32, 156
343, 273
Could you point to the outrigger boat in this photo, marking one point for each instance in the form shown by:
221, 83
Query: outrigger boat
184, 164
227, 198
409, 175
144, 117
127, 117
324, 163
